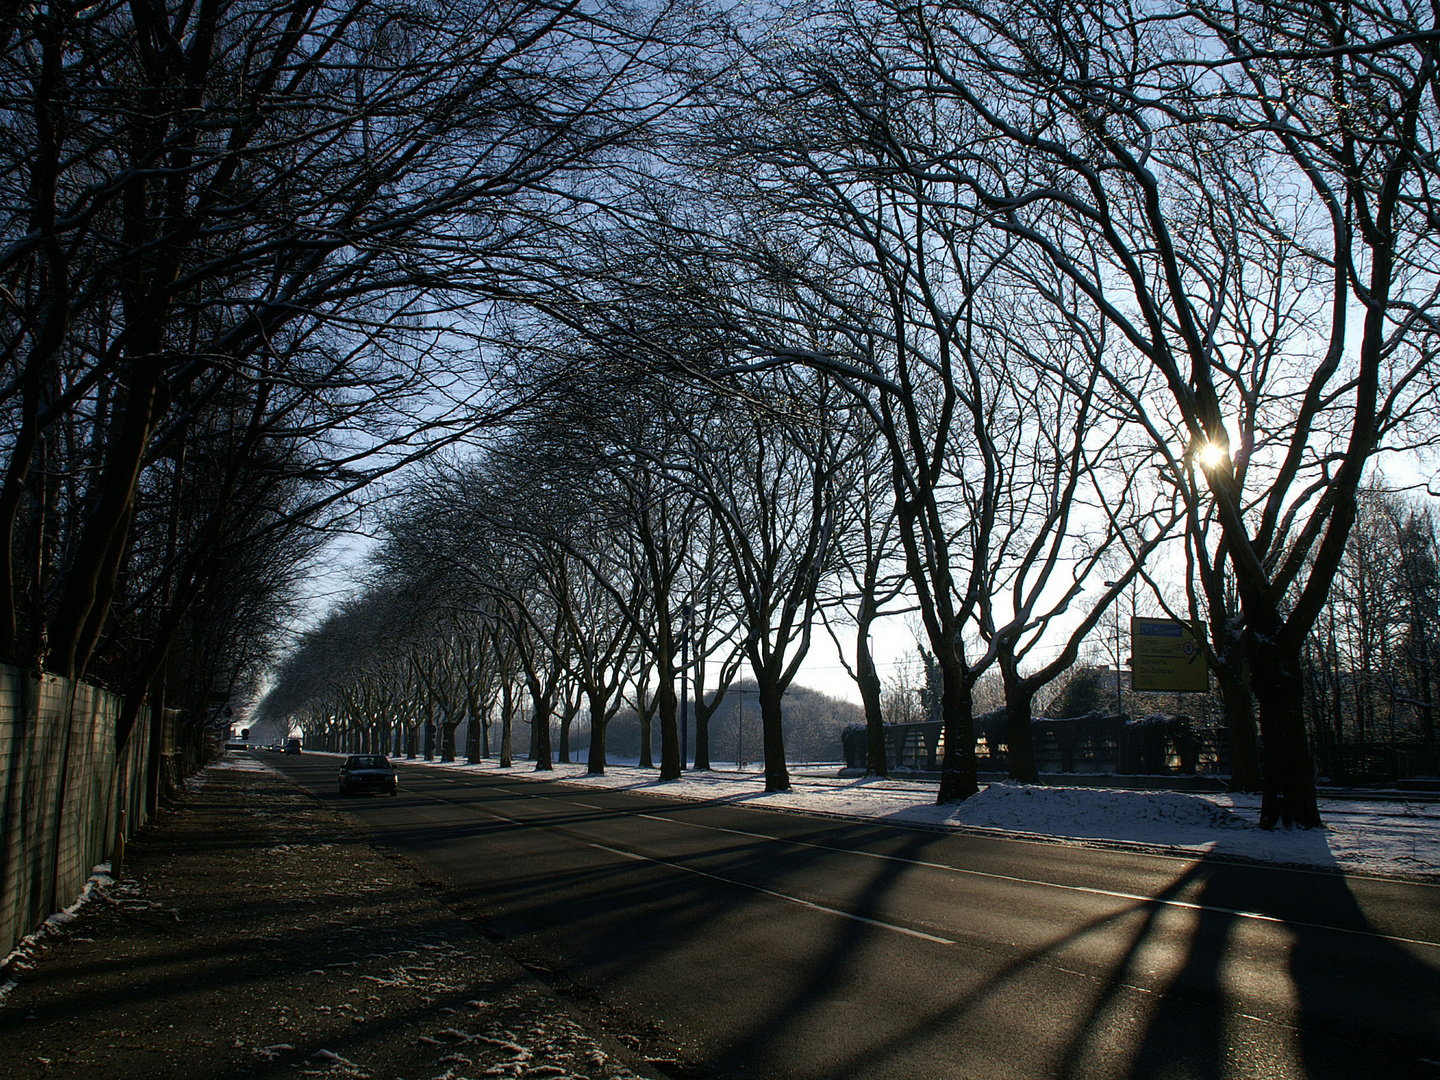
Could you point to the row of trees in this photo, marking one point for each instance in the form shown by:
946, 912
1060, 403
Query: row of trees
236, 237
1049, 289
1212, 228
385, 671
1372, 661
619, 540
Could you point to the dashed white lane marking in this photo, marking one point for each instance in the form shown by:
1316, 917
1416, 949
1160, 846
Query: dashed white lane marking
638, 857
1139, 898
777, 895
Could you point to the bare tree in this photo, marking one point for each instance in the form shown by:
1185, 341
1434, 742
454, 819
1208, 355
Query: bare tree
1100, 149
871, 575
277, 211
772, 464
861, 267
1072, 496
1369, 659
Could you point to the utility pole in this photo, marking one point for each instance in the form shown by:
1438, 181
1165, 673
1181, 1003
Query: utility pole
686, 611
1119, 703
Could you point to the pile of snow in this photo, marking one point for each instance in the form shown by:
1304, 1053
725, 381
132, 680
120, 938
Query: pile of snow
1151, 817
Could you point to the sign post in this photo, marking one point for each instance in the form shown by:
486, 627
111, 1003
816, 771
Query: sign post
1167, 656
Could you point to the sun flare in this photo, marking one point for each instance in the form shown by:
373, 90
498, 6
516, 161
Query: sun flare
1211, 455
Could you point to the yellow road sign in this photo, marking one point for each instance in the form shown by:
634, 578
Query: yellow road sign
1167, 655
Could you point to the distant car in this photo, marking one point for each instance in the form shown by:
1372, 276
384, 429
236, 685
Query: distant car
292, 746
369, 772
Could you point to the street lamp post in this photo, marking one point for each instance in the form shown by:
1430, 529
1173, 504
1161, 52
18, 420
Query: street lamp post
685, 613
1119, 703
740, 735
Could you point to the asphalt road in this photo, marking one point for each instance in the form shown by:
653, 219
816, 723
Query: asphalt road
776, 944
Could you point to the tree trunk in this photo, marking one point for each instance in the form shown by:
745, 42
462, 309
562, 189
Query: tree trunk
959, 773
647, 736
702, 733
39, 364
666, 705
1240, 719
777, 776
153, 785
103, 536
473, 727
595, 763
507, 721
1019, 714
1427, 705
1288, 788
877, 759
540, 731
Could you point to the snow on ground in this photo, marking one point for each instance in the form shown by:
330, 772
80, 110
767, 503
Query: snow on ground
229, 761
22, 958
241, 764
1384, 835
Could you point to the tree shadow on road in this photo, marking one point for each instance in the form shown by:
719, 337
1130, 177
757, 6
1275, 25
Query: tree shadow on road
1169, 995
1129, 987
1349, 1001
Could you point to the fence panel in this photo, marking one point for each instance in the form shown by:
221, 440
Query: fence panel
62, 785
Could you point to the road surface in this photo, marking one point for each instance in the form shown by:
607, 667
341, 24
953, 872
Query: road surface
784, 945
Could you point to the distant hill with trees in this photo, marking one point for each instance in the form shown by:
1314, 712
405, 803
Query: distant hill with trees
812, 722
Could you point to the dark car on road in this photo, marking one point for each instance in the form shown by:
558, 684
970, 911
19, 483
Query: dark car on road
369, 772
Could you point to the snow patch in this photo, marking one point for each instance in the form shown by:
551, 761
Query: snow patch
336, 1066
241, 764
27, 950
1152, 817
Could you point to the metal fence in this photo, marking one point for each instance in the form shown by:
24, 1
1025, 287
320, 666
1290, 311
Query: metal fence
64, 787
1096, 743
1152, 746
1371, 763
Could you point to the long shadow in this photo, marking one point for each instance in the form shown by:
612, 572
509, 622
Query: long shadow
618, 922
1089, 1031
179, 979
1360, 1003
834, 966
1344, 1001
911, 1029
233, 948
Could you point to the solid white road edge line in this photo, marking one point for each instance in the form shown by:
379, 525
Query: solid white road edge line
1186, 905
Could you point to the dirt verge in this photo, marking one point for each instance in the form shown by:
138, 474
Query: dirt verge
254, 933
